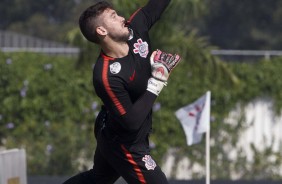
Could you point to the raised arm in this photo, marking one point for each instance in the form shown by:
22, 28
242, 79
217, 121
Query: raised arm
154, 9
144, 18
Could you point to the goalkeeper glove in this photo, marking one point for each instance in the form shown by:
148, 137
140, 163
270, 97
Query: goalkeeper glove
155, 86
162, 64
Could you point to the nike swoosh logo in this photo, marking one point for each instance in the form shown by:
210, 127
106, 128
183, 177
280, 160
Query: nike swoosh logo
131, 78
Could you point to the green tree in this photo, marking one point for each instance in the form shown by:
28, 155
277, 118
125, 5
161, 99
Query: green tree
48, 108
239, 24
47, 19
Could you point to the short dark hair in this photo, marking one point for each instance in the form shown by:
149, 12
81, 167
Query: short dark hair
87, 20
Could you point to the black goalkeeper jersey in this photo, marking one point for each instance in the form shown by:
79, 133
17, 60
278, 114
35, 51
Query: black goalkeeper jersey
121, 83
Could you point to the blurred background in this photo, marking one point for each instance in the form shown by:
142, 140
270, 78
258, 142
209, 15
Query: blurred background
232, 48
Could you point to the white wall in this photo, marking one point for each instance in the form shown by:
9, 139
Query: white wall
13, 166
263, 129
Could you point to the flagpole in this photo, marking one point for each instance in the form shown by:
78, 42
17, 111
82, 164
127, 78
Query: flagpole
208, 156
195, 119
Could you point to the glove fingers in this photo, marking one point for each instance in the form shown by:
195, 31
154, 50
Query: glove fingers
153, 56
157, 56
175, 60
163, 56
168, 60
172, 61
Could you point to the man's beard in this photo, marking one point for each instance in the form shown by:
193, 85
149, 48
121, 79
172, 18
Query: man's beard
120, 38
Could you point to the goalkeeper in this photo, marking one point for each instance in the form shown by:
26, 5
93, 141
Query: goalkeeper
127, 77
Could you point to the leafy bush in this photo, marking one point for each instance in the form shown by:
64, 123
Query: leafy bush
47, 107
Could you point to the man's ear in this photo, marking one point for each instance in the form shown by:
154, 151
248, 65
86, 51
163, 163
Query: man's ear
101, 31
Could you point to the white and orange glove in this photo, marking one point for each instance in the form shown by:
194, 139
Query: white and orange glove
162, 64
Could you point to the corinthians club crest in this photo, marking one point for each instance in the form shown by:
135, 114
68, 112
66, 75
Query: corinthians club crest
150, 164
141, 48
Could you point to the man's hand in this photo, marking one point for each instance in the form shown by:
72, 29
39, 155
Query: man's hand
162, 64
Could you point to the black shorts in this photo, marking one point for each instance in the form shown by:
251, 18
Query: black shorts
113, 159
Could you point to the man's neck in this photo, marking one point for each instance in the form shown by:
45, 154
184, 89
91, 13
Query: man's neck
115, 49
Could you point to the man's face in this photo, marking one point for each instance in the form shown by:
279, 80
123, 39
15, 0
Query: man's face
115, 25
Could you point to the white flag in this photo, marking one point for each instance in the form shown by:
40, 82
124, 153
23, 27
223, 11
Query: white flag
195, 118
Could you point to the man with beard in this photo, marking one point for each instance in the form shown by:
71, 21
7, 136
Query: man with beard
127, 77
